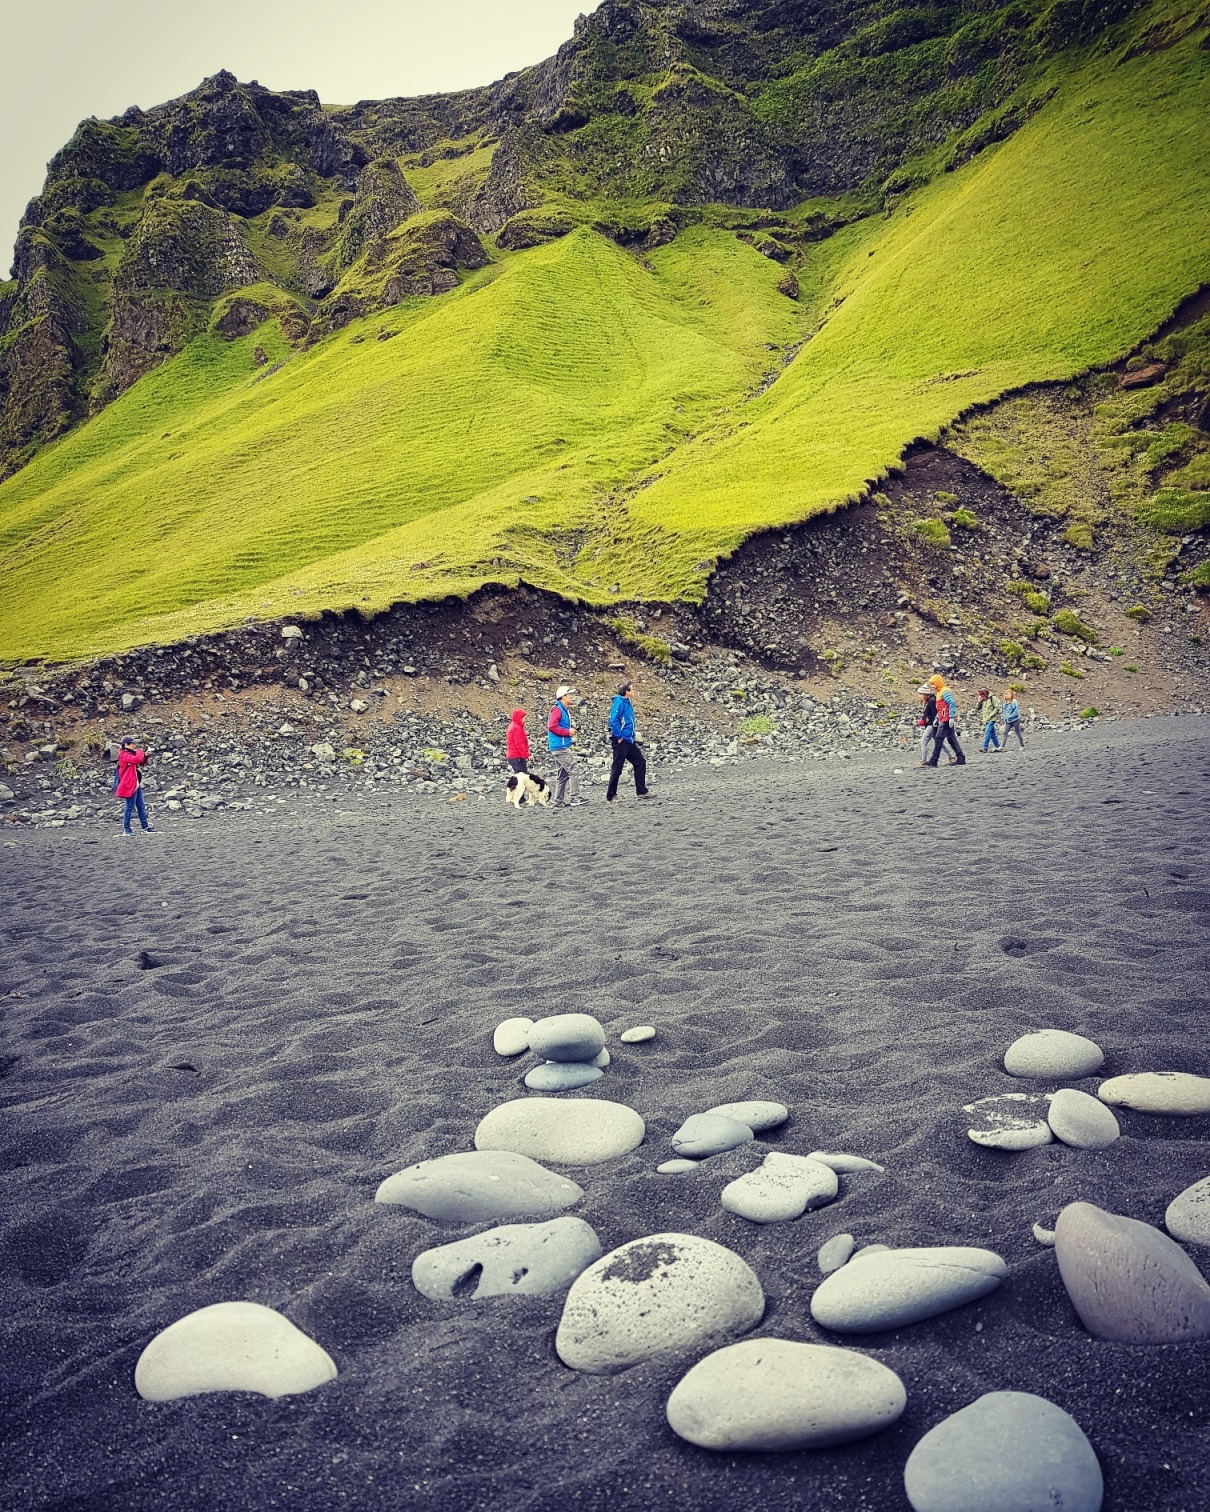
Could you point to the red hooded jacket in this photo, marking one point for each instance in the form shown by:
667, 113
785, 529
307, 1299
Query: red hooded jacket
516, 744
129, 763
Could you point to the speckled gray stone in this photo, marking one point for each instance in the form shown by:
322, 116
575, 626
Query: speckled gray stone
774, 1394
476, 1186
516, 1259
904, 1286
1081, 1121
565, 1130
1009, 1121
1188, 1215
664, 1294
1176, 1093
512, 1036
1053, 1053
1009, 1451
1128, 1281
757, 1115
561, 1076
783, 1187
834, 1252
710, 1134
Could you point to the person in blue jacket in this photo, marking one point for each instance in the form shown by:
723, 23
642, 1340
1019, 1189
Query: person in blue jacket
625, 747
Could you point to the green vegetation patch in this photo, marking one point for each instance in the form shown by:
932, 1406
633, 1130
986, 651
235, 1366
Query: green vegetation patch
1067, 622
934, 532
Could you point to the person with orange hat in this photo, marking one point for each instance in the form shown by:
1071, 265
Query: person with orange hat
947, 714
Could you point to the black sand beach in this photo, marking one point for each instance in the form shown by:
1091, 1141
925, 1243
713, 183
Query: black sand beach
219, 1039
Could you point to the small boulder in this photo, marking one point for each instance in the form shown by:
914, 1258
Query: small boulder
1053, 1053
1009, 1121
568, 1131
1009, 1451
512, 1036
1128, 1281
897, 1287
781, 1188
710, 1134
476, 1186
561, 1076
775, 1394
516, 1259
1188, 1215
1176, 1093
835, 1252
638, 1034
664, 1294
759, 1116
567, 1037
1081, 1121
231, 1346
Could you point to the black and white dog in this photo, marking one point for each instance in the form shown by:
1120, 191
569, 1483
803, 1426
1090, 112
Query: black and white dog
523, 788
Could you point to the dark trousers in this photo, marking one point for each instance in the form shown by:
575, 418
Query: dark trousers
519, 763
626, 751
1014, 729
945, 732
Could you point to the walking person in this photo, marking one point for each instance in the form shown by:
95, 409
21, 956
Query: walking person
130, 786
927, 721
947, 715
625, 747
560, 733
987, 713
1011, 712
516, 742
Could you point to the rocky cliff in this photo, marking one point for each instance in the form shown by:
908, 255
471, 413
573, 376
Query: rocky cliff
150, 223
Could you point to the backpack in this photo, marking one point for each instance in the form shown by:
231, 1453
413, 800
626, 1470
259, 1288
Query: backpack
117, 777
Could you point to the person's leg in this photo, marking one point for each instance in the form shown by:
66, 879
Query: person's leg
141, 806
615, 770
926, 736
127, 811
561, 761
991, 730
953, 738
573, 777
518, 763
639, 762
1015, 729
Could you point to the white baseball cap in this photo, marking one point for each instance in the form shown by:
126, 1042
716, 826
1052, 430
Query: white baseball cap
563, 690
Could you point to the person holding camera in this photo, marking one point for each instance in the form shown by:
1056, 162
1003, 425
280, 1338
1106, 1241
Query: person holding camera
129, 786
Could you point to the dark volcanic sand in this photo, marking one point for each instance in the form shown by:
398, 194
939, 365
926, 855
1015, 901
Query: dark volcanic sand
860, 944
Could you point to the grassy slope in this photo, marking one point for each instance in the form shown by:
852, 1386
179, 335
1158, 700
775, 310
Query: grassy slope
502, 432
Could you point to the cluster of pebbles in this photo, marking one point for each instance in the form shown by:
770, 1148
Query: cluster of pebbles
672, 1294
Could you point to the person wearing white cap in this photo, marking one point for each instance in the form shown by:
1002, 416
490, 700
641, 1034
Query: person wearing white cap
560, 732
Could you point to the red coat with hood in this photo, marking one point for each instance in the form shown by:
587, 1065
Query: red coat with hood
516, 744
129, 763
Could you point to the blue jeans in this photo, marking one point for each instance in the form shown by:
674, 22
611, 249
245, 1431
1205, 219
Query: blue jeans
135, 801
989, 736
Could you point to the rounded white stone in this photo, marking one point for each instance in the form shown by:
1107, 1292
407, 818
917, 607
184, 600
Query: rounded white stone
904, 1286
676, 1167
757, 1115
512, 1036
638, 1034
1081, 1121
516, 1259
1172, 1092
845, 1164
773, 1394
781, 1188
1188, 1215
475, 1186
1009, 1451
231, 1346
567, 1130
660, 1295
834, 1252
710, 1134
567, 1037
1053, 1052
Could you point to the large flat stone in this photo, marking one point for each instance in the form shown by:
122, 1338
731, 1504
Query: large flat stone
568, 1131
1128, 1281
776, 1394
900, 1286
1009, 1451
758, 1115
665, 1294
710, 1134
477, 1186
231, 1346
516, 1259
1176, 1093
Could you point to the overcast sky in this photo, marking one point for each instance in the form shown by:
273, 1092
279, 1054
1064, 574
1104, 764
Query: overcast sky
72, 59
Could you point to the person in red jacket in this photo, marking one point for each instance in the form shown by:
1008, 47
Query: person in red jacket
130, 785
516, 742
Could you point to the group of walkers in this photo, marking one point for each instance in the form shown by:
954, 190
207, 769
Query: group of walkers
560, 742
939, 716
